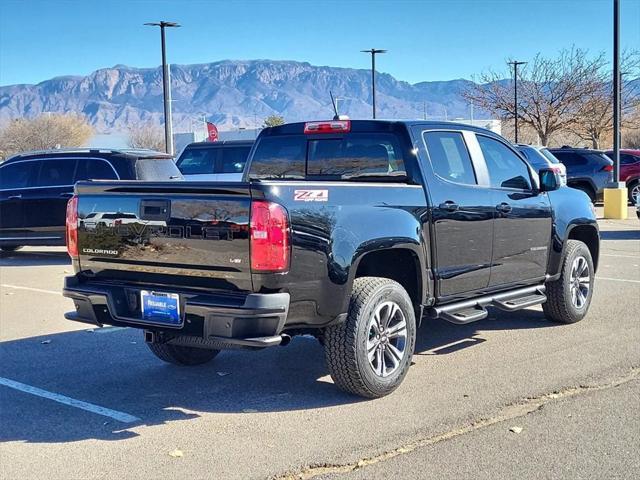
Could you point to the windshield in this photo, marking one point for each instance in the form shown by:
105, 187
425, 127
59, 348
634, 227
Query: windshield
548, 155
157, 169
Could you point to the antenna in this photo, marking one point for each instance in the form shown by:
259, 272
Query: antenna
335, 108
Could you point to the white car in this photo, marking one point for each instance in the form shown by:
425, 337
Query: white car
540, 157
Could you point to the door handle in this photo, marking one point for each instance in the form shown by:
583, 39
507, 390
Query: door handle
449, 206
14, 197
66, 195
504, 207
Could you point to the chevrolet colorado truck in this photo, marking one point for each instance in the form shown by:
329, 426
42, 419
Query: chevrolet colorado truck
352, 231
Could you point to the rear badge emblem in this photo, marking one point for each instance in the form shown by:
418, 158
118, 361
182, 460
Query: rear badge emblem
311, 195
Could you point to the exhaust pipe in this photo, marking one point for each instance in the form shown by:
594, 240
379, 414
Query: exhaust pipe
286, 339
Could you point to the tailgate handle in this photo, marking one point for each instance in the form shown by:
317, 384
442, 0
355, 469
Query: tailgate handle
159, 210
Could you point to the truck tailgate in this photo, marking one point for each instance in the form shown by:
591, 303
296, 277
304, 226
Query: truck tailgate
186, 234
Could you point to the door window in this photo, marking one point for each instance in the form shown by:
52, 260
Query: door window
94, 169
506, 169
58, 172
449, 157
18, 175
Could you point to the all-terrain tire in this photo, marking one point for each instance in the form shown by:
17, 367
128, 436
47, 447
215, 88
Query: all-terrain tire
181, 355
346, 344
561, 305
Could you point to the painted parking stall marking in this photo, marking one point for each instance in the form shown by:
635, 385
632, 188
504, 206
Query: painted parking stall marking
72, 402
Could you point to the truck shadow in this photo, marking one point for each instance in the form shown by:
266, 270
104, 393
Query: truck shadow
33, 258
114, 369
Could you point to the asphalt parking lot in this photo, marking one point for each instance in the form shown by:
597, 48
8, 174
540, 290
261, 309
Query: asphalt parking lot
80, 403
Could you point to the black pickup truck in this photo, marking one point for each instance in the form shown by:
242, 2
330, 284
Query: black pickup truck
352, 231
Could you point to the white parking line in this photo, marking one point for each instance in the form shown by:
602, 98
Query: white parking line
31, 289
107, 329
621, 256
617, 279
72, 402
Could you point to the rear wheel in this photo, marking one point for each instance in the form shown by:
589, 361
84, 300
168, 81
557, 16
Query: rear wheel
369, 354
569, 297
586, 189
180, 355
634, 192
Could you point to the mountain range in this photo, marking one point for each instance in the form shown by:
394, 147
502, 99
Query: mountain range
232, 94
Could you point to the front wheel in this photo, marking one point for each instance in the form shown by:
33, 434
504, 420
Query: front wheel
369, 354
180, 355
569, 297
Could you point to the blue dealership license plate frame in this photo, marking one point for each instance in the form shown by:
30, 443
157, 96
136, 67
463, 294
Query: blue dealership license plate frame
160, 308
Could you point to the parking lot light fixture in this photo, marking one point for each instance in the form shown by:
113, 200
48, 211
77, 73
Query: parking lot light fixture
515, 64
373, 52
166, 85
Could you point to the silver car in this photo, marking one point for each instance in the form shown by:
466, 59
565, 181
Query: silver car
540, 157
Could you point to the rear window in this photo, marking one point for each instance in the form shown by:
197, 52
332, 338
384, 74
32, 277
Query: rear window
356, 155
94, 169
232, 159
157, 169
197, 161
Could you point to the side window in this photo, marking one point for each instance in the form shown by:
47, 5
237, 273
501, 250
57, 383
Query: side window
506, 169
94, 169
232, 160
56, 172
198, 161
449, 157
356, 155
570, 158
626, 159
18, 175
279, 157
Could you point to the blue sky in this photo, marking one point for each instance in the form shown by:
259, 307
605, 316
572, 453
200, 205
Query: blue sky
427, 39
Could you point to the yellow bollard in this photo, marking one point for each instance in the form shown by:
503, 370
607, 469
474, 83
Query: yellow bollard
615, 203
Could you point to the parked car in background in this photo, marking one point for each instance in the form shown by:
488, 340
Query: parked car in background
35, 187
629, 172
587, 170
214, 161
541, 157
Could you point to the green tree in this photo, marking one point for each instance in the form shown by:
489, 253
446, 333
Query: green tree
273, 121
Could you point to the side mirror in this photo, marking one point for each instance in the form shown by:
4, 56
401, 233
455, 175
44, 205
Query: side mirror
549, 179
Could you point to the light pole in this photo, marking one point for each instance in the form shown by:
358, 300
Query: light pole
373, 53
515, 64
166, 86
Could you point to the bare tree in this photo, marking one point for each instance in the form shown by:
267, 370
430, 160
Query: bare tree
594, 115
631, 139
44, 132
550, 91
147, 135
273, 121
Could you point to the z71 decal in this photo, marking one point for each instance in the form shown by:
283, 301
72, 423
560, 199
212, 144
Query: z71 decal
311, 195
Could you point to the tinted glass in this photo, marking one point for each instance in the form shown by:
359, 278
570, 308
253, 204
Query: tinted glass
570, 158
198, 161
356, 155
548, 155
506, 169
157, 169
94, 169
56, 172
535, 158
232, 160
279, 157
18, 175
627, 159
449, 157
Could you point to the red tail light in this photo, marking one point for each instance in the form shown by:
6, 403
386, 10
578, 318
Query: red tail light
607, 168
72, 226
333, 126
269, 237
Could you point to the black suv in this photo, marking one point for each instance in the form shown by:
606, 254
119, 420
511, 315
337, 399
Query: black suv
587, 170
35, 187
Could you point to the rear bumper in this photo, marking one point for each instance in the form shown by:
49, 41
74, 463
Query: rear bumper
223, 320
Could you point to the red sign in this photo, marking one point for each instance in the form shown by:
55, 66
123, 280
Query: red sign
212, 130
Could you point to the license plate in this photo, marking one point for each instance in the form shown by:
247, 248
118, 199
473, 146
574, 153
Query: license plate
160, 307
